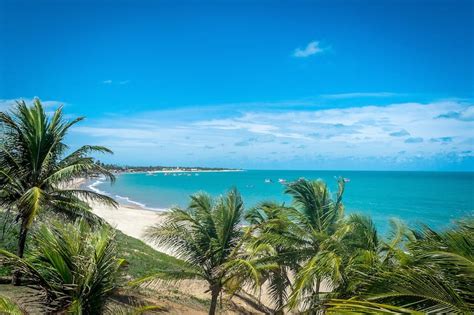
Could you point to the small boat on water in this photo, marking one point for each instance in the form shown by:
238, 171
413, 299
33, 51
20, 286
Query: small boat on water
346, 180
268, 181
282, 181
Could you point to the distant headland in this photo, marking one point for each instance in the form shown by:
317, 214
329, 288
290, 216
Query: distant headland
114, 168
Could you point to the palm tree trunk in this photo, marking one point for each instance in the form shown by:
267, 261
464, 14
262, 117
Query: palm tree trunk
318, 285
16, 277
215, 290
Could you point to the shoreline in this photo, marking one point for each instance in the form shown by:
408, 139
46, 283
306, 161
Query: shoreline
92, 183
130, 219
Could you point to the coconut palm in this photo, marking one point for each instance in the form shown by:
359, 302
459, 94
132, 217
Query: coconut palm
312, 241
269, 240
314, 218
435, 276
76, 267
35, 168
208, 236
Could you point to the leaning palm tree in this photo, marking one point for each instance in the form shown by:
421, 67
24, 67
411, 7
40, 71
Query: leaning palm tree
75, 266
35, 169
208, 236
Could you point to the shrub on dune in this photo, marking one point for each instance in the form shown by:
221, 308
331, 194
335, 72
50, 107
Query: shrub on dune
75, 266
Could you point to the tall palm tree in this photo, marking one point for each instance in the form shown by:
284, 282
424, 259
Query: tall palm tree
312, 241
35, 168
314, 219
208, 236
76, 266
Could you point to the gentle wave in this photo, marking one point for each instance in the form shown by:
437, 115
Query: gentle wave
94, 188
141, 205
127, 199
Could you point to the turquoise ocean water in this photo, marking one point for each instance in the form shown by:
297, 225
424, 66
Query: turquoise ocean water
432, 198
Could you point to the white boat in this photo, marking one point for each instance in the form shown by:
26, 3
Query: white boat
268, 181
282, 181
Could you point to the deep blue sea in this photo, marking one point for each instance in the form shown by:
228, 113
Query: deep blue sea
433, 198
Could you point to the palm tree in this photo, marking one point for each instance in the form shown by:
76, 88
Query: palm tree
208, 236
35, 169
312, 241
269, 240
314, 218
435, 276
77, 267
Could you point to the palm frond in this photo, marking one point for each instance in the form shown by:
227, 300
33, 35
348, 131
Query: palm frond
8, 307
351, 306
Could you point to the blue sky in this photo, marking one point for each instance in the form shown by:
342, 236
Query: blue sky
255, 84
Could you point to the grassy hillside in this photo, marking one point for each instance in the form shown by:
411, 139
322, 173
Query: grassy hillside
143, 259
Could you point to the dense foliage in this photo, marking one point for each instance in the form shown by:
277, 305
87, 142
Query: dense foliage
36, 168
76, 267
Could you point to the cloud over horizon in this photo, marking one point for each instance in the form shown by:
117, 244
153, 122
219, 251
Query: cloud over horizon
399, 134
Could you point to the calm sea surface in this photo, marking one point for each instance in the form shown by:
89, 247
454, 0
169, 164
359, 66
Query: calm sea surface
433, 198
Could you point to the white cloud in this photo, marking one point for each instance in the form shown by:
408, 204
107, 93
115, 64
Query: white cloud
107, 82
311, 49
351, 134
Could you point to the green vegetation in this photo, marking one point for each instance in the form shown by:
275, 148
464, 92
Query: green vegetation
208, 237
413, 271
142, 260
309, 257
76, 267
35, 169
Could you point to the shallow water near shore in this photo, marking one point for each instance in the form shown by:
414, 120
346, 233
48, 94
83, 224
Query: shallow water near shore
432, 198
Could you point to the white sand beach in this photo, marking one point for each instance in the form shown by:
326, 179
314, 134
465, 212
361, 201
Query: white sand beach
131, 220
